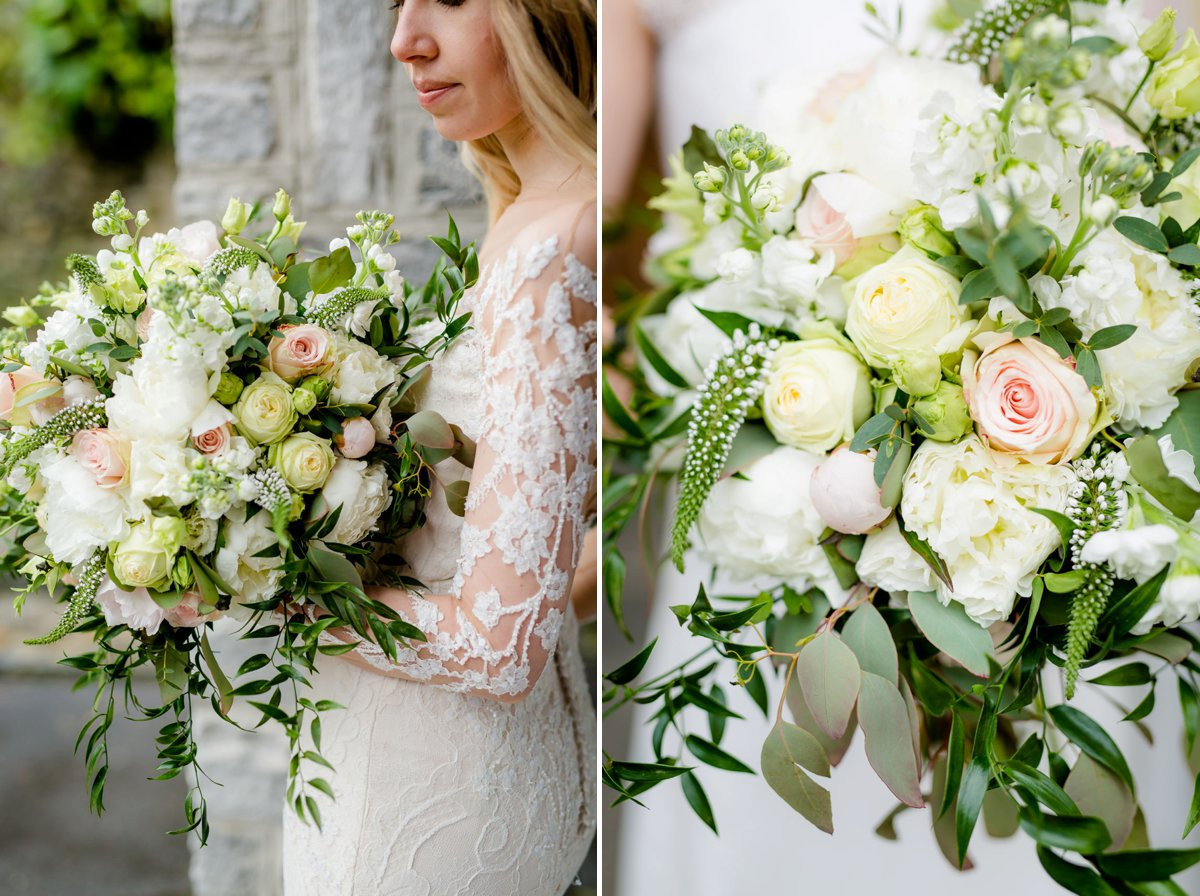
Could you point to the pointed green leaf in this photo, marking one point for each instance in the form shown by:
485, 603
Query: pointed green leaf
1076, 878
950, 630
870, 638
630, 670
711, 754
1100, 793
971, 791
1084, 732
698, 800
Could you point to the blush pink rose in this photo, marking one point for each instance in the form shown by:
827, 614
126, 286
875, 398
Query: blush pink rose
844, 493
302, 350
825, 227
1026, 400
186, 613
357, 438
213, 441
11, 384
837, 90
103, 454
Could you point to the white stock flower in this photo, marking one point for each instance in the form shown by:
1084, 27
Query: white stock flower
972, 507
764, 529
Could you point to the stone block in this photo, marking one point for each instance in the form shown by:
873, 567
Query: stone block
223, 122
444, 179
217, 15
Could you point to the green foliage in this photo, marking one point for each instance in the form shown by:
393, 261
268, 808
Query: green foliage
97, 71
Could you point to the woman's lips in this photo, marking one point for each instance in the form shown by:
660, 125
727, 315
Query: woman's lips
428, 95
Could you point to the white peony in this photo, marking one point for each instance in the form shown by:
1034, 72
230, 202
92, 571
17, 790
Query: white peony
157, 400
77, 515
252, 578
360, 373
971, 506
160, 469
257, 293
888, 562
763, 529
362, 492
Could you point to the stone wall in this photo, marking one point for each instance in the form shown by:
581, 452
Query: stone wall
300, 94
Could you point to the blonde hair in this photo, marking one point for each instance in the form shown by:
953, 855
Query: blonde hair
550, 47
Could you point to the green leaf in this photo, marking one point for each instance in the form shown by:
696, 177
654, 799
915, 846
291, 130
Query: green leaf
699, 149
616, 412
955, 756
327, 273
780, 761
971, 791
1125, 676
1088, 367
661, 366
1083, 731
1185, 161
1189, 706
709, 753
223, 686
1148, 468
1125, 613
887, 728
1183, 426
1142, 232
1101, 794
456, 496
430, 429
1194, 812
698, 800
953, 632
926, 553
1052, 337
333, 568
1041, 787
1148, 864
1111, 336
893, 481
1074, 832
614, 585
1061, 521
648, 772
630, 670
869, 637
1076, 878
829, 676
979, 285
1187, 254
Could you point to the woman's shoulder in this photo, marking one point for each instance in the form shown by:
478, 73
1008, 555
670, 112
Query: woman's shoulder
545, 233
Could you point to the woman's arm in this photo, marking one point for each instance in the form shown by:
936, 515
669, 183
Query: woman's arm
531, 484
628, 95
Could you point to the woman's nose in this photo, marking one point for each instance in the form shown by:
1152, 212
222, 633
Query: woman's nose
412, 40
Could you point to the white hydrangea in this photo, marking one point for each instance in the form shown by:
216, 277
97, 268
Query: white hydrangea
971, 506
763, 530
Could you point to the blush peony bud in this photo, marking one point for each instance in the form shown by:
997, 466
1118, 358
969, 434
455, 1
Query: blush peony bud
844, 492
357, 438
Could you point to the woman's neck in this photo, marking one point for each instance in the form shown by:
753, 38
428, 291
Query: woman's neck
542, 169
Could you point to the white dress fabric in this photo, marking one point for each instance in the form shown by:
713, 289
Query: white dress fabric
764, 846
442, 791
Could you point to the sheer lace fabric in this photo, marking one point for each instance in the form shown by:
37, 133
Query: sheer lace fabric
442, 792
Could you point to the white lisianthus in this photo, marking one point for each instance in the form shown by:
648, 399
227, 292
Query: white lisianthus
888, 562
77, 515
906, 312
793, 270
972, 507
818, 392
252, 578
360, 372
363, 493
763, 529
1136, 554
135, 608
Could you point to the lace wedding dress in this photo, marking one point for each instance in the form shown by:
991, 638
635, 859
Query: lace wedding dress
442, 791
764, 845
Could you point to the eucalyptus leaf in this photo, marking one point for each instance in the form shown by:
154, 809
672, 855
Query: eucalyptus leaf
1142, 232
782, 771
884, 720
456, 496
953, 632
866, 633
430, 429
828, 674
1100, 793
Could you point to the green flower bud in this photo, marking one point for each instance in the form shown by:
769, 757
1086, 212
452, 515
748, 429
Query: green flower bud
229, 388
181, 571
264, 412
739, 160
918, 373
1157, 40
317, 385
945, 412
1175, 85
237, 216
303, 401
282, 207
922, 228
304, 459
290, 229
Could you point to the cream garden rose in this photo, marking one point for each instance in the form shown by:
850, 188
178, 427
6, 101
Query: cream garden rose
304, 459
300, 351
905, 314
264, 411
144, 558
818, 393
1026, 400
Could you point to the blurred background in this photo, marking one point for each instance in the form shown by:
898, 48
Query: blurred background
181, 105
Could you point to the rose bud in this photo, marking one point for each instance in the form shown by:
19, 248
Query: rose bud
844, 493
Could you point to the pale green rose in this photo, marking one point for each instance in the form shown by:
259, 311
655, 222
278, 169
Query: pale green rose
945, 412
818, 393
907, 308
120, 291
229, 388
922, 228
1175, 85
304, 460
264, 412
1185, 209
1157, 40
146, 557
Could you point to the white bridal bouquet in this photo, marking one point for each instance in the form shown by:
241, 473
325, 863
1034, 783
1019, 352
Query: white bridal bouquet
923, 366
204, 427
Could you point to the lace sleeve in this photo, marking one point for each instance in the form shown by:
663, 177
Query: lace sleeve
534, 470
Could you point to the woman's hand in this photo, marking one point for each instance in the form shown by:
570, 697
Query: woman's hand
583, 587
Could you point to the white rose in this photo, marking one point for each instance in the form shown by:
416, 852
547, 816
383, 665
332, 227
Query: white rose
1136, 554
763, 529
906, 309
888, 562
252, 578
972, 507
362, 492
360, 372
77, 515
818, 393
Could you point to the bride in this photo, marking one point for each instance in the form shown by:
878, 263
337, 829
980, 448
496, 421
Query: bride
667, 50
468, 766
